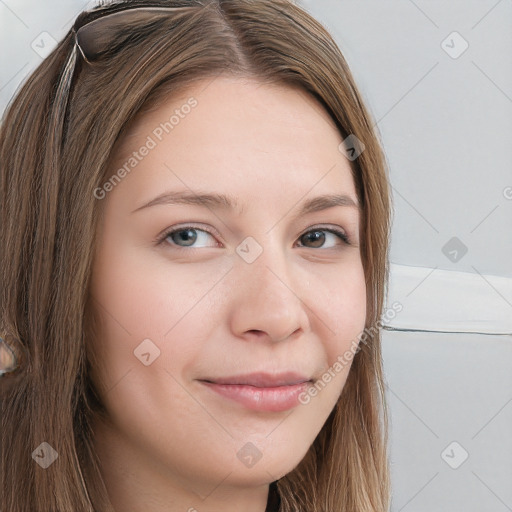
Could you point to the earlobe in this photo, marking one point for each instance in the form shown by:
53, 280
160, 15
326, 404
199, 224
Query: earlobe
8, 359
12, 360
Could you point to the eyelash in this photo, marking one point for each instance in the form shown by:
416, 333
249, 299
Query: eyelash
161, 239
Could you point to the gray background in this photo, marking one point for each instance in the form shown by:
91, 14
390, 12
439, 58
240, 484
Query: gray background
445, 119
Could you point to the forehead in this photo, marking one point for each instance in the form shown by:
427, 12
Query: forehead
239, 136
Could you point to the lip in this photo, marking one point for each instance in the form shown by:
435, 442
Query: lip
261, 391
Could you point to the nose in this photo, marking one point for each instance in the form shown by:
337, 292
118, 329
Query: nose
267, 298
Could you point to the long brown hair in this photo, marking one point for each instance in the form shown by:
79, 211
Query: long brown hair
56, 139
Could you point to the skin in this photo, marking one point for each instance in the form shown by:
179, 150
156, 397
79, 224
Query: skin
169, 443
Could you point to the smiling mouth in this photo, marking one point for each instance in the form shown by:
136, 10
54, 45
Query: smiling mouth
261, 391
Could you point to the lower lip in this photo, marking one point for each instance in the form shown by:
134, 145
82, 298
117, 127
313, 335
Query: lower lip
276, 399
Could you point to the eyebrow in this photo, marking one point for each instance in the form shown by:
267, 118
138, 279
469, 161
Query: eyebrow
219, 201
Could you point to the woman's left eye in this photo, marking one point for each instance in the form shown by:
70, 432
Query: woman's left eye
188, 235
320, 239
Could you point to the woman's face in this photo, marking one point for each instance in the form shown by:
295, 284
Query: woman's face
259, 287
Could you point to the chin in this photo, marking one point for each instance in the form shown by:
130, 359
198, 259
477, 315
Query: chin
253, 466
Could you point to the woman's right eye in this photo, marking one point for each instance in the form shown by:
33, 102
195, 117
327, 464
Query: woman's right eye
187, 235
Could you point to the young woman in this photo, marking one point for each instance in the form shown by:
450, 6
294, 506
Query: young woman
195, 221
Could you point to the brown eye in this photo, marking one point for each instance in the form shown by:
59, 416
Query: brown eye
317, 237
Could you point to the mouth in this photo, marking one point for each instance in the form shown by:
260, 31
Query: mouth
261, 391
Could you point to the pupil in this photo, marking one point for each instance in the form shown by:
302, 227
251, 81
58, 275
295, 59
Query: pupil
317, 237
190, 236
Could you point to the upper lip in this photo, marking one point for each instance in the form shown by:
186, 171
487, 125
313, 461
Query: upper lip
262, 379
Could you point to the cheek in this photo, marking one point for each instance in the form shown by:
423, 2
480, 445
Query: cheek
140, 290
341, 305
139, 297
345, 312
